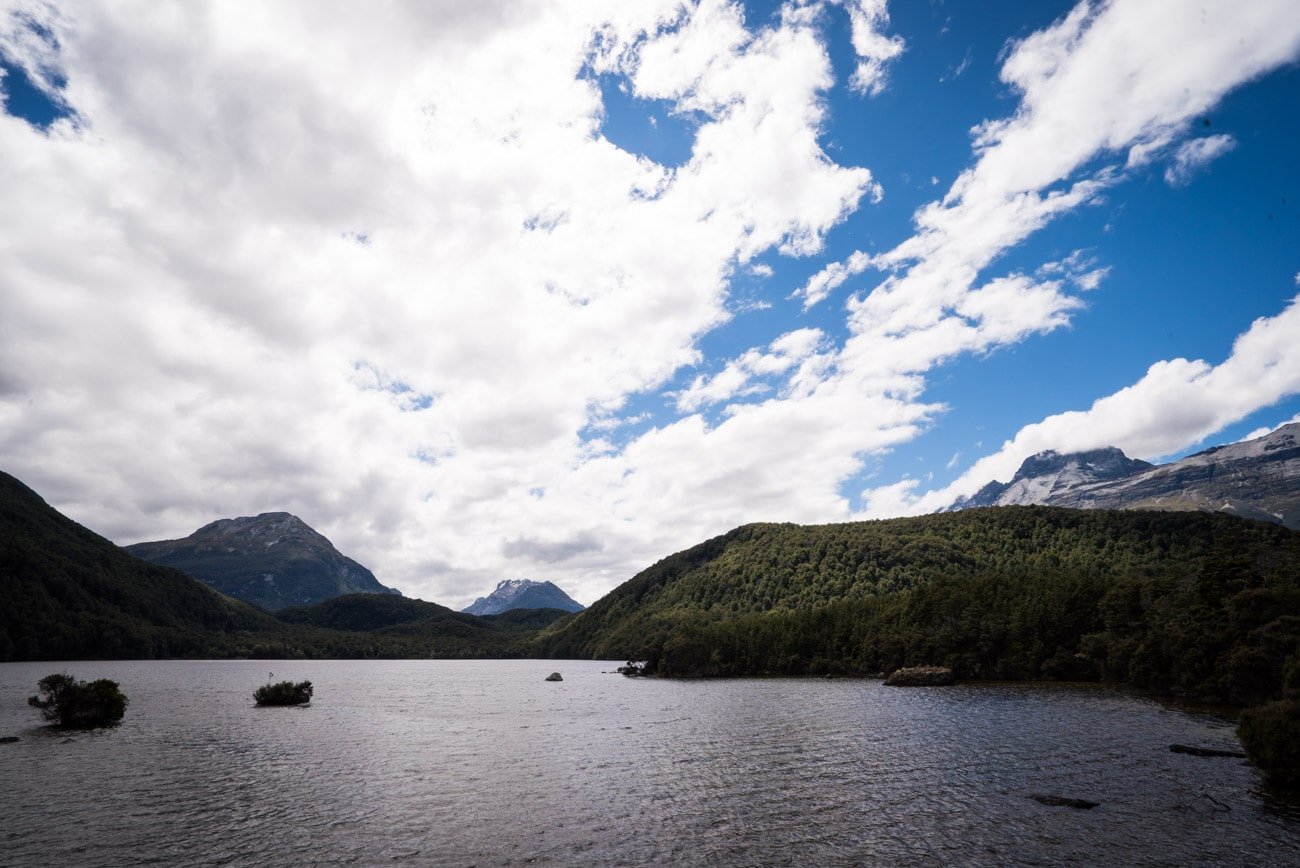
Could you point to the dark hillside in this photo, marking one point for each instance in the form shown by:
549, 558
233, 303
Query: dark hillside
66, 593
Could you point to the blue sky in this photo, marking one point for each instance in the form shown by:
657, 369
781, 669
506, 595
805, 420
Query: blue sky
554, 292
1190, 264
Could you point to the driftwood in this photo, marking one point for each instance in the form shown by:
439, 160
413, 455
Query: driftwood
1205, 751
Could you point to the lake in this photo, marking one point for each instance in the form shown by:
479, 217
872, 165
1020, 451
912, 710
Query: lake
483, 762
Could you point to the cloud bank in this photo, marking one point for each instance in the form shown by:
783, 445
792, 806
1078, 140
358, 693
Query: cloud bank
386, 268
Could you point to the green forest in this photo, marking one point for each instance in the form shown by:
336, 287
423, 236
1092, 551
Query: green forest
1195, 604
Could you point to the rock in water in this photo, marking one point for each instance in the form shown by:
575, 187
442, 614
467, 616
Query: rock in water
921, 676
555, 676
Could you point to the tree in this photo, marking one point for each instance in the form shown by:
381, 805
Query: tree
73, 703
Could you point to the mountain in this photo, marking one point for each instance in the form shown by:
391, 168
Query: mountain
1050, 475
1197, 604
1257, 478
523, 594
273, 560
67, 593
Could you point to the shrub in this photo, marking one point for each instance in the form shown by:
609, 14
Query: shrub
74, 703
1270, 733
284, 693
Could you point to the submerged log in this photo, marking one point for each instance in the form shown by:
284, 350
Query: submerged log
1064, 802
1205, 751
921, 676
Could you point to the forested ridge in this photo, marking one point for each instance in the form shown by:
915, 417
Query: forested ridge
1198, 604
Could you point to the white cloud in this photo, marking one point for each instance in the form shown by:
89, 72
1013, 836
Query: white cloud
867, 20
1193, 155
192, 329
796, 348
1105, 79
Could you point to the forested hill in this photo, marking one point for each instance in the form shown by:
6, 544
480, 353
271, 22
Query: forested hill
1184, 601
66, 592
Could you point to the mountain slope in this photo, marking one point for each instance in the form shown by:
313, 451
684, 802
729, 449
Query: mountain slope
1256, 479
68, 593
273, 560
1200, 604
523, 594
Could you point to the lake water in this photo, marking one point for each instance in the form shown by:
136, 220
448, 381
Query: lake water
468, 762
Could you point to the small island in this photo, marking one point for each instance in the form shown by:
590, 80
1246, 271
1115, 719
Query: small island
284, 693
74, 704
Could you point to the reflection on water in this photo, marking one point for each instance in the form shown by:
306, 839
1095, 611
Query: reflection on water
460, 762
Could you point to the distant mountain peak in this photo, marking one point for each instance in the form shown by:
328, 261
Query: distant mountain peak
523, 594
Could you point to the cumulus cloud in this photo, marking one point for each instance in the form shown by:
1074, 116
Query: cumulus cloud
381, 267
1102, 81
793, 349
542, 551
867, 21
384, 268
1193, 155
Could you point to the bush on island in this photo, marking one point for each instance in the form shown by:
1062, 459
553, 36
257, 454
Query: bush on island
1270, 733
72, 703
284, 693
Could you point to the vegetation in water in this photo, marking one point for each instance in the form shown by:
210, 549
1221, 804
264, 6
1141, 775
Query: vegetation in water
284, 693
1270, 733
71, 703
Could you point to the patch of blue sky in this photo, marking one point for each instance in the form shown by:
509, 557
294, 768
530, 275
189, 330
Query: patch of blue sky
649, 128
369, 378
640, 412
24, 99
1191, 266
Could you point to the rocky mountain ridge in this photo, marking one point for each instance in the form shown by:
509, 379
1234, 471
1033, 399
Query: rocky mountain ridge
273, 560
1257, 478
523, 594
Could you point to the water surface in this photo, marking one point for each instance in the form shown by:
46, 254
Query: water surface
469, 762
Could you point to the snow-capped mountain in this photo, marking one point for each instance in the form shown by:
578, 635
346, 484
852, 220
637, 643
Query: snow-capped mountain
523, 594
1257, 478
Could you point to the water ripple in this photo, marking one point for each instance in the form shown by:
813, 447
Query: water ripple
483, 763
